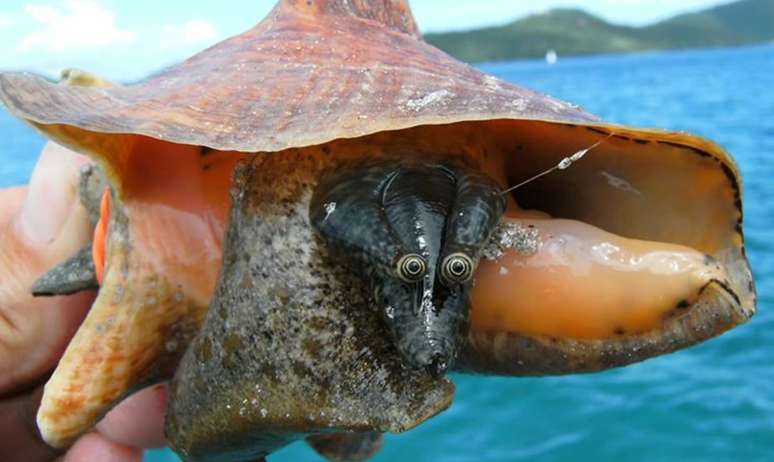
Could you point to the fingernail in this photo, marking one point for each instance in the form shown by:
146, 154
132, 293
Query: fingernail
52, 191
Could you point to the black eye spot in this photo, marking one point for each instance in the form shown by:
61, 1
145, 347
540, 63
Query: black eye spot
411, 267
457, 268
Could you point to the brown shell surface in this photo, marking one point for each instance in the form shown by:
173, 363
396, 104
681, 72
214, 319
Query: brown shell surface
305, 75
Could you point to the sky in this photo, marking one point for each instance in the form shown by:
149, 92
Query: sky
127, 39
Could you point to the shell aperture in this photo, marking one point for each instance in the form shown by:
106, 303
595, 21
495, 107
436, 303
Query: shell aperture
585, 283
432, 219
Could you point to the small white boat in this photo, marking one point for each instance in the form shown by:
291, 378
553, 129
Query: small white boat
551, 57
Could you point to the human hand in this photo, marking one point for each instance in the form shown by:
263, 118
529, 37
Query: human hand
41, 225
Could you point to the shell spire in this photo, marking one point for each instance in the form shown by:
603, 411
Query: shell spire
394, 14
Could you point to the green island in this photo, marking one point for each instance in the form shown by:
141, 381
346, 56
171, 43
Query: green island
575, 32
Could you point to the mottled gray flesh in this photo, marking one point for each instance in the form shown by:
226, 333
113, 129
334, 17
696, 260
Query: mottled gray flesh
74, 275
91, 186
290, 346
376, 213
347, 447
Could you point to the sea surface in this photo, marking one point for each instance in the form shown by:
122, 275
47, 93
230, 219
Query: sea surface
712, 402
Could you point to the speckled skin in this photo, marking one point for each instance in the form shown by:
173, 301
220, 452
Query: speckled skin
290, 345
91, 186
74, 275
374, 213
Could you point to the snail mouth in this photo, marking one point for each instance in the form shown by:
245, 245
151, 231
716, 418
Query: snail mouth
634, 251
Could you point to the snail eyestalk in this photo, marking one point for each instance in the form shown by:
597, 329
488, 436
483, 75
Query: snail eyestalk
411, 268
416, 231
457, 268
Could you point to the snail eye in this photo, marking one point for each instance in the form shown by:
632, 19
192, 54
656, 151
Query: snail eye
457, 268
411, 267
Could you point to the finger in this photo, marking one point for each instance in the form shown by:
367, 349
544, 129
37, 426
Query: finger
12, 200
95, 447
21, 440
139, 420
50, 226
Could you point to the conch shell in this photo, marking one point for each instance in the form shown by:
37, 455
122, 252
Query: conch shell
637, 249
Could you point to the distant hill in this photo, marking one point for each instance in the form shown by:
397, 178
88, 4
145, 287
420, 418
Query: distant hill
575, 32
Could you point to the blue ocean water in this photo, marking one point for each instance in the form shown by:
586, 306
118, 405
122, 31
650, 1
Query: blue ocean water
713, 402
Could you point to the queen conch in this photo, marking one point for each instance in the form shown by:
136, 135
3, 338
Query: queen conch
308, 224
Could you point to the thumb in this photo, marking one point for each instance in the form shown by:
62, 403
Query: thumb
48, 227
52, 200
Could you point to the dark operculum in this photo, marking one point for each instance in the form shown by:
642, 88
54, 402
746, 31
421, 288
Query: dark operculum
414, 230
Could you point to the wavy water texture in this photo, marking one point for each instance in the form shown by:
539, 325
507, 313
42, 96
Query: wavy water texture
713, 402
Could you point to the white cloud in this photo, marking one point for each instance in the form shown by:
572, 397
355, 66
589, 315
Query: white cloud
195, 31
6, 20
78, 24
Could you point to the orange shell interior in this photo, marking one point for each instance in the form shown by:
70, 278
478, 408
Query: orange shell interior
660, 205
648, 192
100, 234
